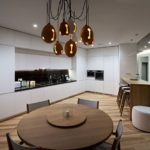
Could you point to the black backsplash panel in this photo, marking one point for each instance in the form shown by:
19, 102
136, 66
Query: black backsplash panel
42, 75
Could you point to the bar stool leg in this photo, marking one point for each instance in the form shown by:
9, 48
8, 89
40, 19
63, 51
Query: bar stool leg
125, 98
120, 93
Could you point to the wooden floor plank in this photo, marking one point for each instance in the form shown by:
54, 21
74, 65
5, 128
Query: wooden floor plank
132, 139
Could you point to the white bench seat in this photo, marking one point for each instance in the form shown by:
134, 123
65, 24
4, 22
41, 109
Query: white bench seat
141, 118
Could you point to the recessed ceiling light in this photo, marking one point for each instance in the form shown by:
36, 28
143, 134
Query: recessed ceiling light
109, 43
35, 25
148, 42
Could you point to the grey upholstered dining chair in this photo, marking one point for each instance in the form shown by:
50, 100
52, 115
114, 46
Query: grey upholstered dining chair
12, 145
90, 103
33, 106
116, 143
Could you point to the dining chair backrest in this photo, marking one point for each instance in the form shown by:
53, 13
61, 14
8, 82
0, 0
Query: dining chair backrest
90, 103
33, 106
119, 131
12, 145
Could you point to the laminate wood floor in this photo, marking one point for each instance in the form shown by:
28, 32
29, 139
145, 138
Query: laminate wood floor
132, 138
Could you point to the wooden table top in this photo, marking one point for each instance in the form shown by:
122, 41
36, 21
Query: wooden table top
35, 130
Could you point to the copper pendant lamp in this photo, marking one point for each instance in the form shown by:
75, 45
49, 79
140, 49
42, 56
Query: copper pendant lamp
58, 49
67, 27
64, 28
87, 35
48, 33
70, 48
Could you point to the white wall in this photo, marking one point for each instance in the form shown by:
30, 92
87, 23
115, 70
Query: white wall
30, 59
7, 66
128, 60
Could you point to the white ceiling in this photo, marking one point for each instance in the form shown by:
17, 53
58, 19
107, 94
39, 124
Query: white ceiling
118, 21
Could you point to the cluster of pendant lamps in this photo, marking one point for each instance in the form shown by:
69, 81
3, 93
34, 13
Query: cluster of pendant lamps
68, 27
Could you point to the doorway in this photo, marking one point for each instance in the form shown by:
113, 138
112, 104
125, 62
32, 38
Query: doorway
145, 71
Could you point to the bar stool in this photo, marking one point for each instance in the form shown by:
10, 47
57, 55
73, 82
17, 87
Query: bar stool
124, 99
120, 93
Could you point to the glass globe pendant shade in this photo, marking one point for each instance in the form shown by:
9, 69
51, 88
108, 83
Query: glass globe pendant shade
72, 26
48, 33
64, 28
87, 35
58, 49
70, 48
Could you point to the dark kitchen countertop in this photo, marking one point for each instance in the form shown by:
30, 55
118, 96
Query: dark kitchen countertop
41, 84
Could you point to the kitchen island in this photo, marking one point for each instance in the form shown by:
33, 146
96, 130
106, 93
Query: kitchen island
140, 92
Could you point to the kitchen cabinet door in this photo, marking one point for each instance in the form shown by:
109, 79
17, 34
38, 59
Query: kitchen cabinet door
111, 74
7, 69
7, 105
21, 100
108, 74
94, 85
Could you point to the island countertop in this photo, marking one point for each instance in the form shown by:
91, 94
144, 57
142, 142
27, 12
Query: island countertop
135, 81
140, 92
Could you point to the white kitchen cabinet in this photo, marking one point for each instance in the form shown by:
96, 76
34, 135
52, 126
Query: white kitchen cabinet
80, 64
7, 66
15, 103
58, 92
7, 105
108, 74
94, 85
106, 59
95, 63
116, 75
37, 95
111, 70
95, 59
21, 99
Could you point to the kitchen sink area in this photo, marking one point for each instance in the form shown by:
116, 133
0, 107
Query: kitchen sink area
26, 80
42, 84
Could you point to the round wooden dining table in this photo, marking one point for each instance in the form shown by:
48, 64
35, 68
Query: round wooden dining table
65, 127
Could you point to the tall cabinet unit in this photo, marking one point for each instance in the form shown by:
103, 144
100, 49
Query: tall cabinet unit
106, 60
94, 62
78, 71
7, 67
111, 70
